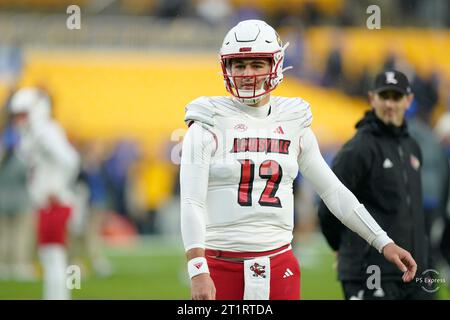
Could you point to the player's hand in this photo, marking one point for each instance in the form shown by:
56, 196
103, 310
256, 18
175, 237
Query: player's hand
202, 287
402, 259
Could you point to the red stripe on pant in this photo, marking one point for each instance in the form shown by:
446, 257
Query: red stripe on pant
52, 224
228, 277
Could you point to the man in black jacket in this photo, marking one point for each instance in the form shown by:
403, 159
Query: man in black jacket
381, 166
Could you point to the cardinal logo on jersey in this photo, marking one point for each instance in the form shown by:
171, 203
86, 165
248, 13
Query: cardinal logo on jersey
240, 127
259, 271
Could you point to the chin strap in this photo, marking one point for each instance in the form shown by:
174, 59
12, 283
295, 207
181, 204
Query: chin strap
251, 101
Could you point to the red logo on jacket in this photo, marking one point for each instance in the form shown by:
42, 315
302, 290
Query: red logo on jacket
415, 163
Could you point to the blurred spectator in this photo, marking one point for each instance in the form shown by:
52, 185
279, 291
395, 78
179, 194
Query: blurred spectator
169, 212
93, 172
435, 169
173, 8
293, 32
151, 188
311, 15
214, 12
117, 167
390, 62
248, 10
360, 85
426, 92
16, 220
443, 131
408, 7
346, 18
91, 209
333, 75
434, 15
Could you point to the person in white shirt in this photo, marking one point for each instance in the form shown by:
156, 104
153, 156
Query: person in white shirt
239, 159
53, 165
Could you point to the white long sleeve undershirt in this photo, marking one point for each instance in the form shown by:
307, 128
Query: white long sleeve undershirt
198, 145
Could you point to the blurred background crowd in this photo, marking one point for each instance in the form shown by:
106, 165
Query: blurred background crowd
119, 85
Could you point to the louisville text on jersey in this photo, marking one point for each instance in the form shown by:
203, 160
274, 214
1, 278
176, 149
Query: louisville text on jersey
266, 145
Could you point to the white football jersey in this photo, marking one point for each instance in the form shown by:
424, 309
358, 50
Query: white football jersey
249, 203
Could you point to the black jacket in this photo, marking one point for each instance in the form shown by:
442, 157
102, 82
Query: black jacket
381, 166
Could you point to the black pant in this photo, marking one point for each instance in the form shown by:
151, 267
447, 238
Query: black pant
390, 290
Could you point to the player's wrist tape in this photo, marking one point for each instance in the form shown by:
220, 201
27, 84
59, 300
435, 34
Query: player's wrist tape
197, 266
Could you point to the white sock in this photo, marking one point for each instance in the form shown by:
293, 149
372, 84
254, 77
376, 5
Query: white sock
54, 263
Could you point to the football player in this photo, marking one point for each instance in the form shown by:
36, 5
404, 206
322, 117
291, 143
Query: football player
239, 159
53, 165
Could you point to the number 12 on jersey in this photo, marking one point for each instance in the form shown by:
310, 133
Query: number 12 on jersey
270, 170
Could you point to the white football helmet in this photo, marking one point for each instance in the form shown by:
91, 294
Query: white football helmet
35, 103
252, 39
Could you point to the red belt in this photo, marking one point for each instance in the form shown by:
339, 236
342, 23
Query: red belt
242, 255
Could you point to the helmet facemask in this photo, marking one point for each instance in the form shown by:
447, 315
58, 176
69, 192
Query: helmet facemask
259, 85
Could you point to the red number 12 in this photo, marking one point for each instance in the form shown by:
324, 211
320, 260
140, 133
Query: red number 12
270, 170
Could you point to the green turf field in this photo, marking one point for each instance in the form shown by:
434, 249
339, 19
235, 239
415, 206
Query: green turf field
155, 269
